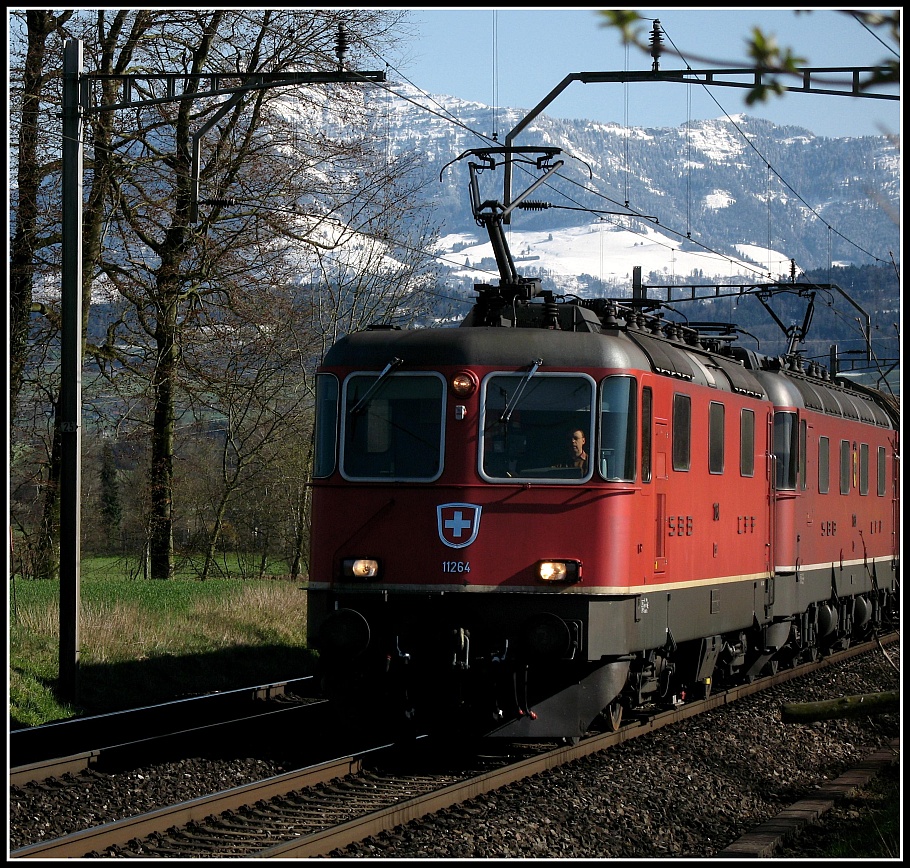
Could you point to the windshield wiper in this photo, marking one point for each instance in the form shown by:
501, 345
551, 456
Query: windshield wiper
507, 413
369, 392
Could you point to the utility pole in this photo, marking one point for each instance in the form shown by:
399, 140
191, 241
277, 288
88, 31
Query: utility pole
71, 374
76, 105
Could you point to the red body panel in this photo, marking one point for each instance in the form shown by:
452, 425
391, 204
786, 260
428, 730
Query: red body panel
678, 528
815, 529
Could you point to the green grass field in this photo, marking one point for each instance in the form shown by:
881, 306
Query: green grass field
145, 641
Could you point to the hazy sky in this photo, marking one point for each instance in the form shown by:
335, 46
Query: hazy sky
516, 57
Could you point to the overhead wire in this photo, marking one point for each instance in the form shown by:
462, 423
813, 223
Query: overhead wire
767, 162
444, 114
857, 17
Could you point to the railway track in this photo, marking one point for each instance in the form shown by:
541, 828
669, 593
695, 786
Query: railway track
116, 739
325, 807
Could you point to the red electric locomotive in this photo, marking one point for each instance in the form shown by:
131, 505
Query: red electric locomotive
564, 508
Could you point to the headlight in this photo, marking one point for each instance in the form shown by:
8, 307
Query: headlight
559, 571
463, 384
360, 568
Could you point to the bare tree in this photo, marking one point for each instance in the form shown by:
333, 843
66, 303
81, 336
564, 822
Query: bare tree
289, 179
272, 154
35, 245
30, 171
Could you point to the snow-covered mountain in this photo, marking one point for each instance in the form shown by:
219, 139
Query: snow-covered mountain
718, 197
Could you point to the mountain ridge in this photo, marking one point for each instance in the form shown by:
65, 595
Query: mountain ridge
720, 184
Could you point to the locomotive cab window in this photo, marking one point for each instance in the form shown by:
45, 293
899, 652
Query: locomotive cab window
803, 451
616, 455
392, 427
538, 427
646, 413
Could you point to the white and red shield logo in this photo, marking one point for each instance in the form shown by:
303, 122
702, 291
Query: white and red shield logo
458, 523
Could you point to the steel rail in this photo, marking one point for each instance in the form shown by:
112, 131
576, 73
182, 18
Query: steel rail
86, 739
322, 843
100, 838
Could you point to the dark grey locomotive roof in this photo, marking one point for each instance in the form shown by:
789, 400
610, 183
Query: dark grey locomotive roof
494, 346
518, 348
786, 389
631, 349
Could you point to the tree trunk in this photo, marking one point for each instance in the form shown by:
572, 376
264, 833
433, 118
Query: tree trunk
161, 472
861, 705
22, 247
167, 331
47, 547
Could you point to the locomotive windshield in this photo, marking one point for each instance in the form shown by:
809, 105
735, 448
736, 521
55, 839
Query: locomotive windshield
392, 429
548, 433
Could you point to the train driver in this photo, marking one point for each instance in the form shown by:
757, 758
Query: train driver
579, 454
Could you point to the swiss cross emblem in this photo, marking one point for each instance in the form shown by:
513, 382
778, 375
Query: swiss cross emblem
458, 523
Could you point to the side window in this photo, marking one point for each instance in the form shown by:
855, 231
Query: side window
617, 429
785, 450
845, 467
715, 437
863, 468
646, 411
824, 467
326, 424
803, 431
682, 426
881, 471
747, 443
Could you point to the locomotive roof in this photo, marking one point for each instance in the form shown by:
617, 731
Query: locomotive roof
630, 349
491, 346
787, 388
498, 347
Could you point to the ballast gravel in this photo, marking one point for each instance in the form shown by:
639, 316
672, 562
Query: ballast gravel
685, 792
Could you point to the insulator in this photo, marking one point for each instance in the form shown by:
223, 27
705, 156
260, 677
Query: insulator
657, 45
222, 202
551, 312
532, 205
341, 44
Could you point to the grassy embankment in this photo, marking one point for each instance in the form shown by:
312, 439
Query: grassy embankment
144, 642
